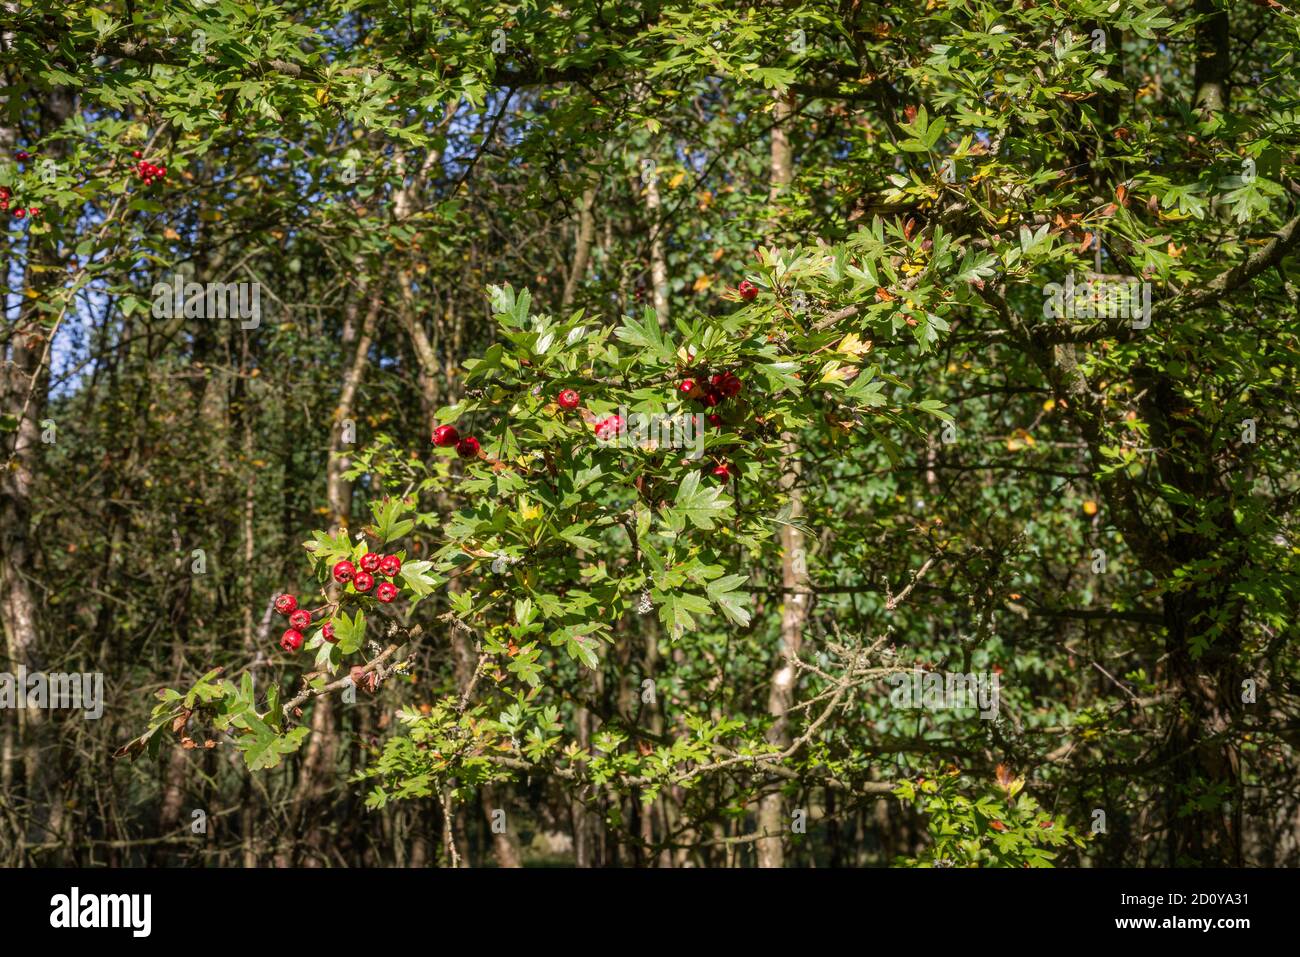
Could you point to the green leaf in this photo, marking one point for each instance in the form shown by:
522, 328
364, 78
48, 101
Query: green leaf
350, 632
417, 578
646, 334
263, 748
700, 507
722, 593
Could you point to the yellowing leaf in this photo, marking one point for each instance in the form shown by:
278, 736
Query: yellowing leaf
676, 180
702, 282
852, 345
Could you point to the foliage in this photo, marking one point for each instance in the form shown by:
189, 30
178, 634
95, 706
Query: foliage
946, 455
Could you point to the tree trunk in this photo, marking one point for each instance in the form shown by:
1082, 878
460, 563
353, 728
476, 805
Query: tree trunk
582, 245
658, 258
771, 807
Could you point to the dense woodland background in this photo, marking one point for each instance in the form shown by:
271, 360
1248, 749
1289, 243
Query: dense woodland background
377, 166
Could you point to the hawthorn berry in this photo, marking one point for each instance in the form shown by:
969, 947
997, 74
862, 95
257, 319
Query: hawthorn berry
300, 619
285, 604
33, 211
468, 447
609, 427
327, 632
136, 154
363, 582
390, 565
291, 640
729, 384
386, 592
22, 156
445, 436
686, 387
19, 213
568, 399
370, 562
722, 471
715, 419
747, 290
344, 571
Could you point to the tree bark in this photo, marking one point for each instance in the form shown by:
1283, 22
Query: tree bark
582, 245
794, 612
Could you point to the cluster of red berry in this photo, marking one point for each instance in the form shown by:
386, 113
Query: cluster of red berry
344, 571
446, 436
6, 194
606, 429
299, 618
146, 171
364, 580
721, 386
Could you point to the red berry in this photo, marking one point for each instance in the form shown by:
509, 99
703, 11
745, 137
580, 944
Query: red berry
136, 154
291, 640
33, 211
747, 290
715, 419
363, 582
568, 399
390, 565
19, 213
468, 447
386, 592
445, 436
162, 171
609, 427
729, 384
148, 181
370, 562
722, 471
300, 619
4, 204
343, 571
286, 604
22, 156
5, 192
687, 386
711, 398
327, 632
